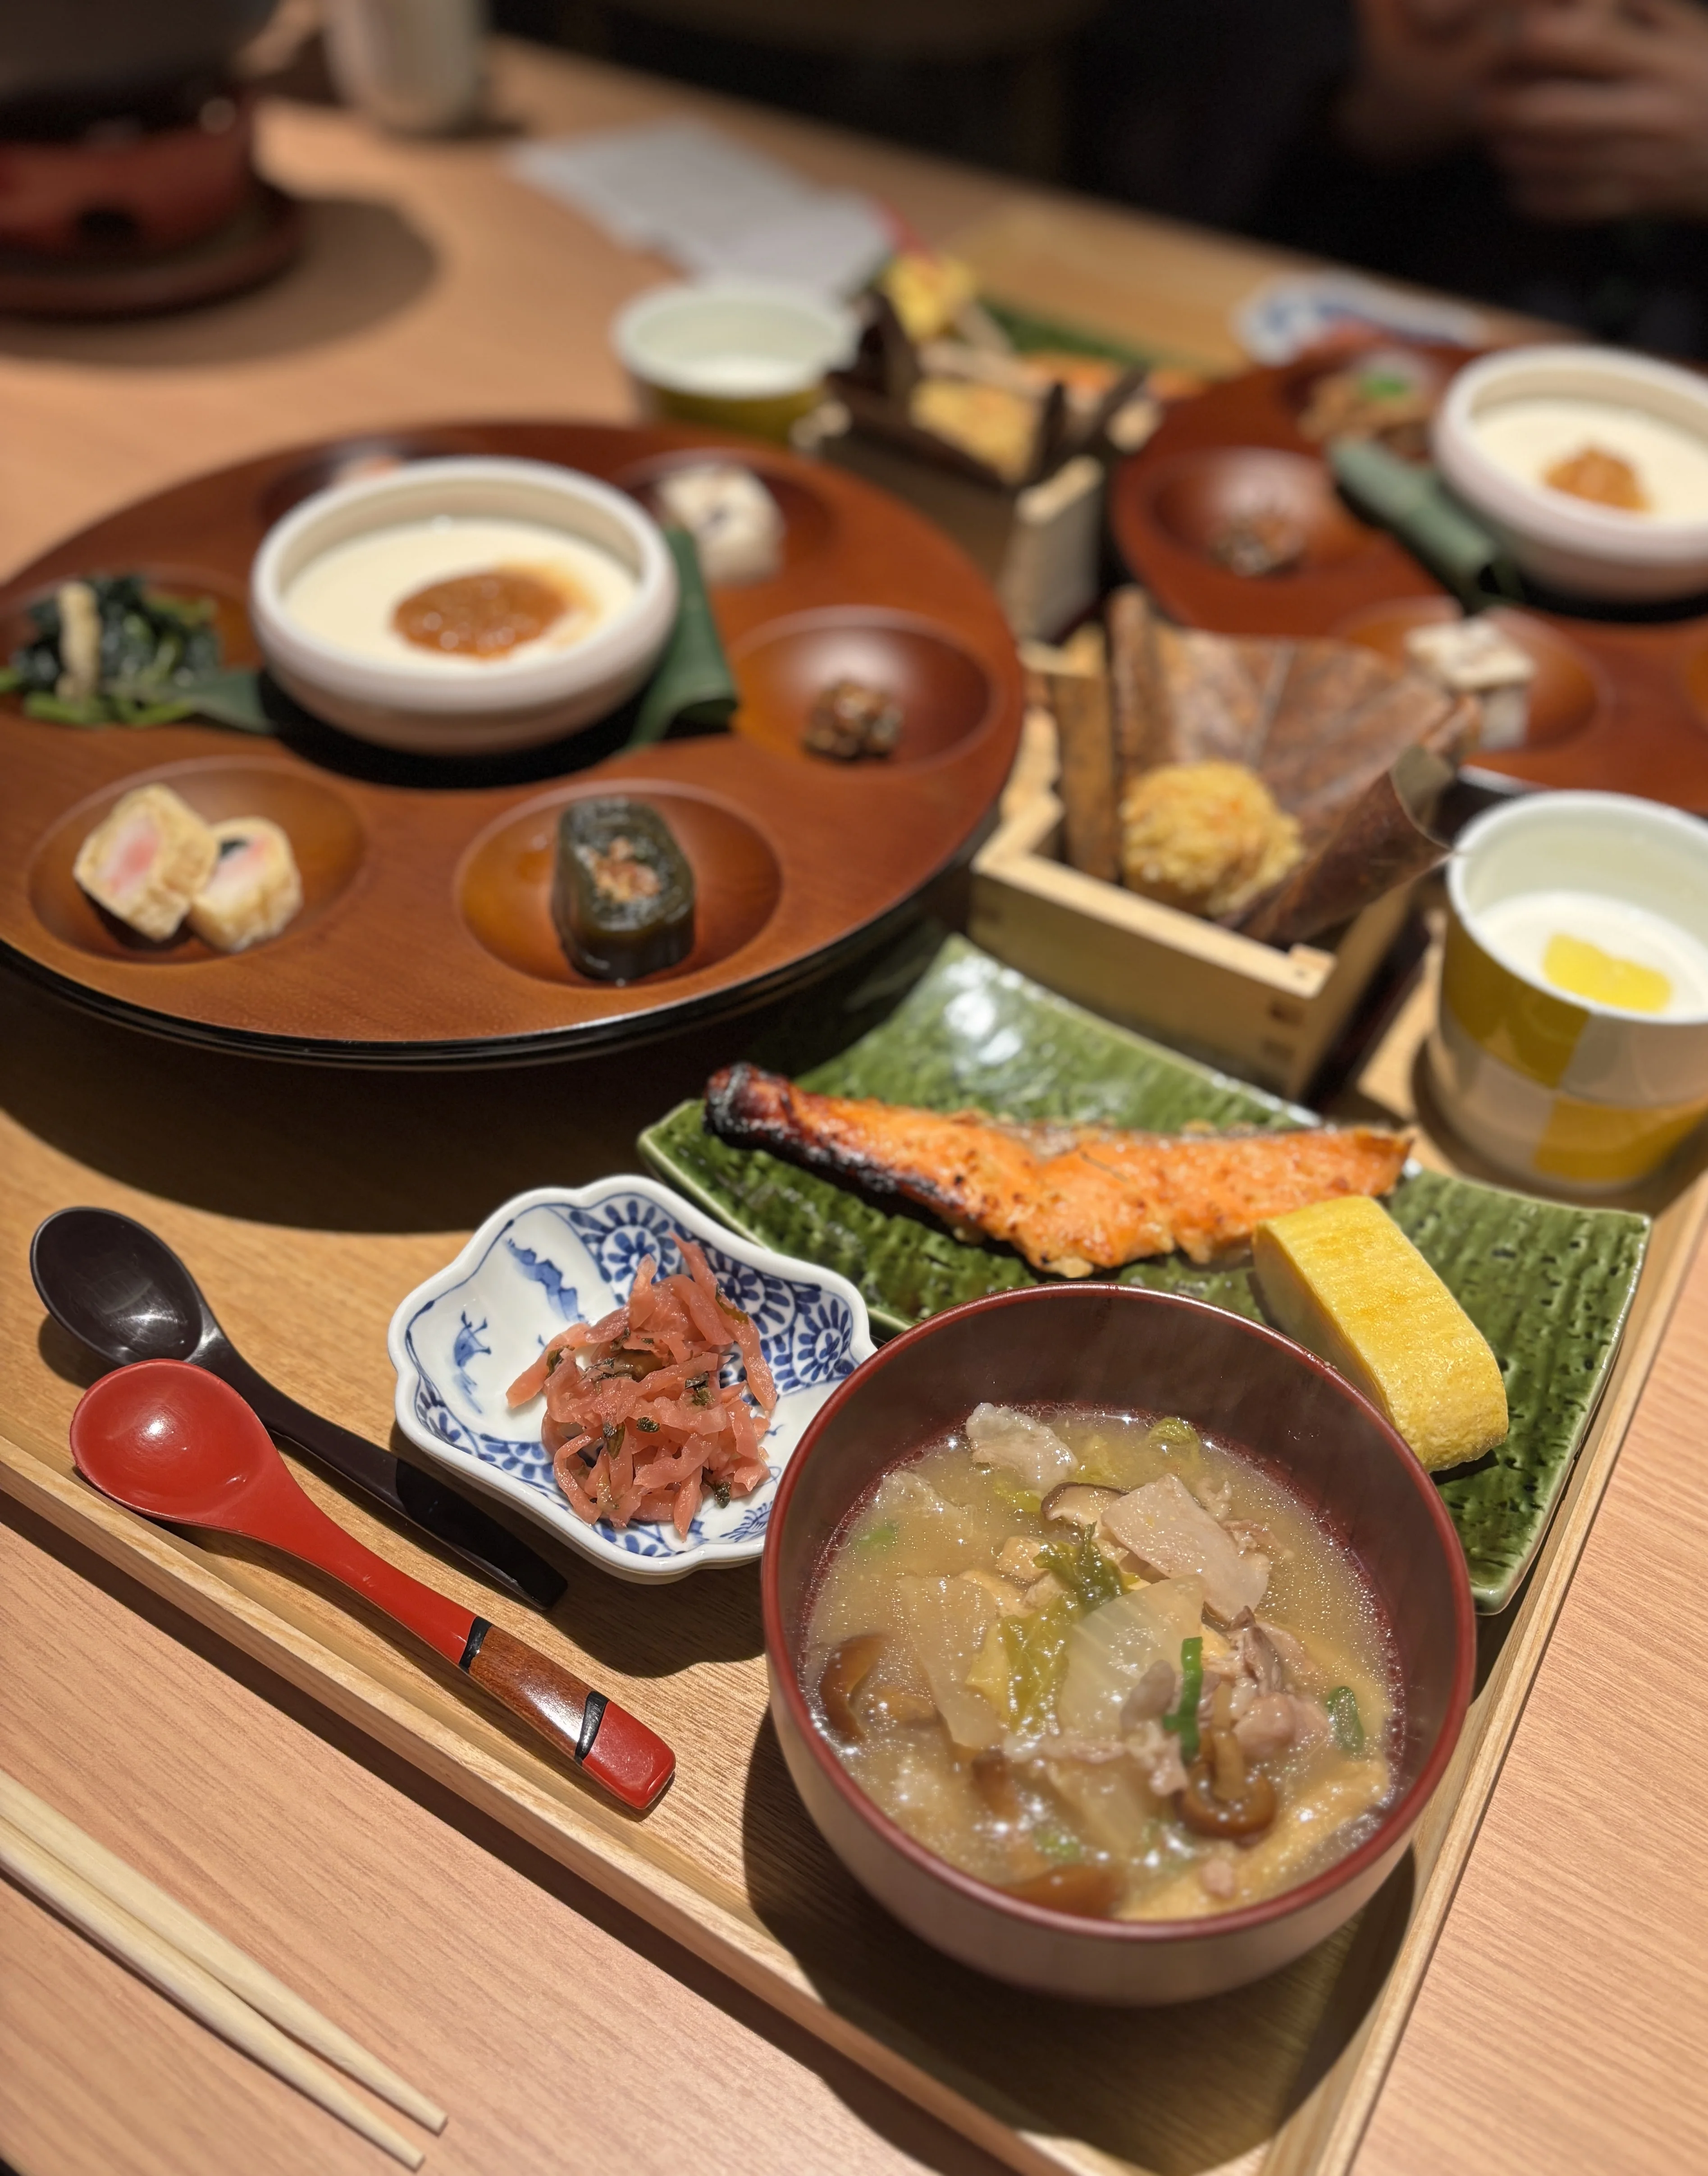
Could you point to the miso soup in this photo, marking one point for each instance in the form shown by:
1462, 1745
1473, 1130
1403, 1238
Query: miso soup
1105, 1664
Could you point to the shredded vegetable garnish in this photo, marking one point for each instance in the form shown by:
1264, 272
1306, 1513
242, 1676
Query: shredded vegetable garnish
1184, 1722
1037, 1657
1083, 1569
1343, 1705
638, 1422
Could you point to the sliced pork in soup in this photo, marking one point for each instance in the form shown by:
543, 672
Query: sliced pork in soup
1105, 1665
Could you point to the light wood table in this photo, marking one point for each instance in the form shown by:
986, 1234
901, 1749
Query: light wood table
1560, 2026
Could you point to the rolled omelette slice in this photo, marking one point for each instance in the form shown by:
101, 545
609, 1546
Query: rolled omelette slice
146, 862
1343, 1278
253, 889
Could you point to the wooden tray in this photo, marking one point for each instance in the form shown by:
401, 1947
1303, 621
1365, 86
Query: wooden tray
1619, 704
1279, 2077
1269, 1016
426, 936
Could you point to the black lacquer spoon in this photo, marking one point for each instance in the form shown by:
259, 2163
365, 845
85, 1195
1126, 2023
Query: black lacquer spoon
124, 1293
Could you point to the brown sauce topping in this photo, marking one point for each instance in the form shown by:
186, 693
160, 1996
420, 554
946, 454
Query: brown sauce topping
1603, 478
486, 614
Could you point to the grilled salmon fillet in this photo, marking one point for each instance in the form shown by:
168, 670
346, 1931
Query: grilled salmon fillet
1070, 1198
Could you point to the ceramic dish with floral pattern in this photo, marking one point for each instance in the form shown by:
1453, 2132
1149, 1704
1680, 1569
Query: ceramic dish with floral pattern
562, 1254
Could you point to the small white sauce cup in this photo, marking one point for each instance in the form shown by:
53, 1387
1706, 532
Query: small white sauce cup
1586, 1097
405, 704
1566, 543
749, 354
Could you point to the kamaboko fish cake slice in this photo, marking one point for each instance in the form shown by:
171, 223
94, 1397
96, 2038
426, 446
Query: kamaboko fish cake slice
145, 862
254, 889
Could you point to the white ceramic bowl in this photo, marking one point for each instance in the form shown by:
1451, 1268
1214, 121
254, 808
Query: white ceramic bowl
421, 706
1565, 543
749, 354
560, 1253
1587, 1097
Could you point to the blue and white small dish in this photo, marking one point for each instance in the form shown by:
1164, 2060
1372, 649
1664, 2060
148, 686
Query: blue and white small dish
562, 1253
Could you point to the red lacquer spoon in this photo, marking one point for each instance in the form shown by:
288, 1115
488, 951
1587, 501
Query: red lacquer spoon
175, 1443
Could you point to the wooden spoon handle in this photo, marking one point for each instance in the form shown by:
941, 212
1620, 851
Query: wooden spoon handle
632, 1762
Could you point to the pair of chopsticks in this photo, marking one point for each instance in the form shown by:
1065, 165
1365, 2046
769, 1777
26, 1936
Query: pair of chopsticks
200, 1970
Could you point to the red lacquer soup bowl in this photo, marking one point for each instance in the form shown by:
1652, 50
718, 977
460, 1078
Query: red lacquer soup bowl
1115, 1347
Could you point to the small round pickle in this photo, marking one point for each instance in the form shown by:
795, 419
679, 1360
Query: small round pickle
1262, 540
851, 721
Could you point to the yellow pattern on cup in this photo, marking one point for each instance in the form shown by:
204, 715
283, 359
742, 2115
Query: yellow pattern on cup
1525, 1028
766, 416
1602, 1144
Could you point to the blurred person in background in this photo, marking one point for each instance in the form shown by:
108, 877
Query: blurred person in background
1548, 154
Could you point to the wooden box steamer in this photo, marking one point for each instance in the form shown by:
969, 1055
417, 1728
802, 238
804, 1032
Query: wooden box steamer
1040, 546
1269, 1016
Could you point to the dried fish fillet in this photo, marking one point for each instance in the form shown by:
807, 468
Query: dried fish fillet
1070, 1198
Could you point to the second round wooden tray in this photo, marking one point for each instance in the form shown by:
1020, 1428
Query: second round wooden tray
1620, 704
426, 936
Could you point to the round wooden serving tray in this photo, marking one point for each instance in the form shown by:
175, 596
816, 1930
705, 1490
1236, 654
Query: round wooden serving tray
424, 936
1620, 703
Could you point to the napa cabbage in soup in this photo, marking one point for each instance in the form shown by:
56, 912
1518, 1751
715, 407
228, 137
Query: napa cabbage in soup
1105, 1665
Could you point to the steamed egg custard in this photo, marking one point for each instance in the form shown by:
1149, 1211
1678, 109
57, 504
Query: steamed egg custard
458, 596
1624, 459
1608, 951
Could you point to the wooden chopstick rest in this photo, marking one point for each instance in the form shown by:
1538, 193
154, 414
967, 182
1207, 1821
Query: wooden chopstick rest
135, 1894
193, 1989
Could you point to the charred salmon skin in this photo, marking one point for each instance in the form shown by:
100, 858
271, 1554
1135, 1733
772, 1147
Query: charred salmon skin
1070, 1198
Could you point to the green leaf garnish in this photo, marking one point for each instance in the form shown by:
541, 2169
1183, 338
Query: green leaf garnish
1058, 1846
1038, 1650
1183, 1721
1083, 1569
1343, 1705
159, 663
1009, 1491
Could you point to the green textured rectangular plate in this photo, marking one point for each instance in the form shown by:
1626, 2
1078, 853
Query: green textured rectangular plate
1548, 1285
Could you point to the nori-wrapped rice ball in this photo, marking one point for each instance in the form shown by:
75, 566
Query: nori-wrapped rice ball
623, 891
